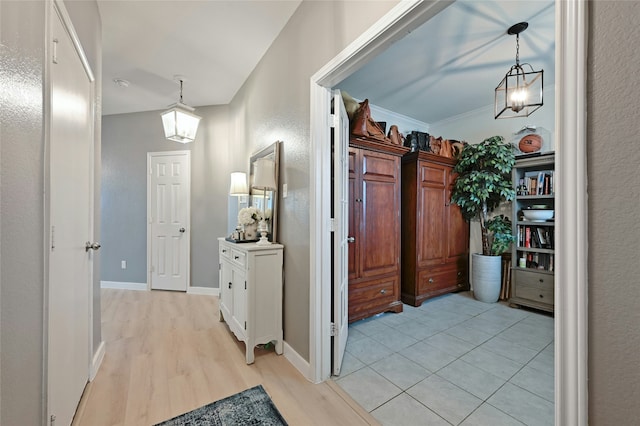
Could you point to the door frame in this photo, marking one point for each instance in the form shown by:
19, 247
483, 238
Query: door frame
150, 155
570, 323
58, 8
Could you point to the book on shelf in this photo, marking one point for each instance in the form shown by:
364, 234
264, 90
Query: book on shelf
538, 182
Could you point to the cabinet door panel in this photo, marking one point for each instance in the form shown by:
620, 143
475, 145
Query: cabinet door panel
379, 166
226, 291
432, 227
354, 215
380, 228
239, 299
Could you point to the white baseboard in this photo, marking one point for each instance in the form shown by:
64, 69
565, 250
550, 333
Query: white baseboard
207, 291
301, 364
97, 361
123, 285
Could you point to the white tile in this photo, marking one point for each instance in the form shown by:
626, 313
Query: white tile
535, 382
485, 326
394, 340
393, 319
406, 411
449, 344
417, 330
368, 388
528, 335
487, 415
530, 409
469, 334
444, 398
369, 326
543, 362
509, 349
400, 371
471, 378
368, 350
429, 357
350, 364
493, 363
355, 335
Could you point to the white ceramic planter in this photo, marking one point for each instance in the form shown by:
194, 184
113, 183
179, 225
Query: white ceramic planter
486, 277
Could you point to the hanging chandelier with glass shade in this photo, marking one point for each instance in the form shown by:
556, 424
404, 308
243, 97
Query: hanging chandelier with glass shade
519, 93
179, 122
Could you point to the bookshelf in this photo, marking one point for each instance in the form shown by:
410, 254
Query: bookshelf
534, 250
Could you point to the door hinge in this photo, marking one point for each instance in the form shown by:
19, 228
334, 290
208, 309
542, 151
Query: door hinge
53, 237
332, 329
245, 325
55, 61
332, 225
245, 285
52, 420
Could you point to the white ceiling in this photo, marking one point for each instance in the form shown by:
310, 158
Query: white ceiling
214, 44
453, 63
448, 66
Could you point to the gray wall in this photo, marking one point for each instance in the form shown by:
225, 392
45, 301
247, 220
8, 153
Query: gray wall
614, 203
22, 165
274, 105
126, 140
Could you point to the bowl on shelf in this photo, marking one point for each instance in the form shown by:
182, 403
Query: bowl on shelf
537, 215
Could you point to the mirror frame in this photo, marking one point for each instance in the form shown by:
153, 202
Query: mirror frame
271, 151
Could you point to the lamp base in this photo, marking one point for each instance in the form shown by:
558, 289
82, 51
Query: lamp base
264, 241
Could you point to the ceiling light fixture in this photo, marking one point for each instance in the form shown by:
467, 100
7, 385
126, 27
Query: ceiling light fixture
121, 82
519, 93
179, 122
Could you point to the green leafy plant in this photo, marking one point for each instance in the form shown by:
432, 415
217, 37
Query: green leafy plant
483, 182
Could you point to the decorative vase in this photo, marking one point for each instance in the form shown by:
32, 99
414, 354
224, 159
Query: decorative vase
251, 231
486, 277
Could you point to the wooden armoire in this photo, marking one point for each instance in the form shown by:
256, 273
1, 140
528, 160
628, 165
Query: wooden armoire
374, 227
435, 236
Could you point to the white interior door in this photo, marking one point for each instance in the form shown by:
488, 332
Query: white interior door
169, 206
71, 171
340, 217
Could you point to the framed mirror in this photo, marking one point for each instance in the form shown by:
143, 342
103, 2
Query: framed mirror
265, 198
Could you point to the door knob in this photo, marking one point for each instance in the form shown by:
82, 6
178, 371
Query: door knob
182, 230
91, 246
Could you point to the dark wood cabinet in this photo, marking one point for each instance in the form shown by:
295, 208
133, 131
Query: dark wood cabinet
374, 228
435, 236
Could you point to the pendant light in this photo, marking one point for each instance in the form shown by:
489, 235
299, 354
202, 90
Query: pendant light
179, 122
519, 93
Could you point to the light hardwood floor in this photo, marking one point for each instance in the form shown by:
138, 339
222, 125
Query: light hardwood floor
167, 353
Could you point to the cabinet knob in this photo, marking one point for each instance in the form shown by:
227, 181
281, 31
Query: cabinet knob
541, 296
430, 280
224, 251
541, 280
351, 239
383, 291
459, 284
236, 257
459, 273
230, 284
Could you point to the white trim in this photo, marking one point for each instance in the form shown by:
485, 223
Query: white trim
571, 407
405, 16
124, 285
97, 361
571, 291
61, 10
399, 119
297, 361
205, 291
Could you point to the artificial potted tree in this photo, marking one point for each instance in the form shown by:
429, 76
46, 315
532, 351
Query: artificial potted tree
484, 181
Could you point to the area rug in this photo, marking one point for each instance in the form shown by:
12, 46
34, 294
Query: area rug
250, 407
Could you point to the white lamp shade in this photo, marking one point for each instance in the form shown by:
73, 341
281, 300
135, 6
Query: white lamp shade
264, 174
238, 184
180, 123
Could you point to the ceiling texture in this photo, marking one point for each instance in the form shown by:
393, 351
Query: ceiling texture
448, 66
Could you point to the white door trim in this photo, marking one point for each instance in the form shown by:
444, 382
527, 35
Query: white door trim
94, 358
571, 297
151, 155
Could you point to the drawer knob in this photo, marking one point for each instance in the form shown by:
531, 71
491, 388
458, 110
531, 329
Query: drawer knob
383, 291
230, 284
224, 251
541, 280
430, 280
541, 296
236, 257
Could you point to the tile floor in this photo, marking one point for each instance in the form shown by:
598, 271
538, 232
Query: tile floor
453, 361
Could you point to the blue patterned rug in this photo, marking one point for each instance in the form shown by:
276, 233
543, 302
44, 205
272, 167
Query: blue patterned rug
250, 407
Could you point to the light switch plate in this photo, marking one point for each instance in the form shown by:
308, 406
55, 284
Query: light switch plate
284, 190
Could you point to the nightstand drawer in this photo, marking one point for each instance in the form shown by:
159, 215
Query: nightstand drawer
534, 279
